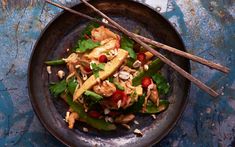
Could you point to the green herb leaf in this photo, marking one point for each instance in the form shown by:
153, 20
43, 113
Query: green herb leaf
84, 45
58, 88
162, 85
128, 44
110, 79
89, 28
130, 62
152, 108
137, 106
96, 68
99, 124
72, 84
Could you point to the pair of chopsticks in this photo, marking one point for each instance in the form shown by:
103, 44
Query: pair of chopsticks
143, 40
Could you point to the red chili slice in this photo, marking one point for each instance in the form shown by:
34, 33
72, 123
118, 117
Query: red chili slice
103, 59
87, 68
113, 113
141, 57
146, 81
94, 114
86, 36
119, 95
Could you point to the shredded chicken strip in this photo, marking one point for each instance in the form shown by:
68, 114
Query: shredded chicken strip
105, 88
146, 99
71, 120
70, 76
154, 97
96, 52
73, 58
103, 33
78, 79
128, 69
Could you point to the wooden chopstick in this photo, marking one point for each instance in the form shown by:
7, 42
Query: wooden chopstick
186, 55
134, 37
156, 53
152, 42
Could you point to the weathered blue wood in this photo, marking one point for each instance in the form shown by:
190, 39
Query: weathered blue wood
207, 29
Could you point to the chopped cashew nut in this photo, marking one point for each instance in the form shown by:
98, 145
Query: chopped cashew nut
105, 88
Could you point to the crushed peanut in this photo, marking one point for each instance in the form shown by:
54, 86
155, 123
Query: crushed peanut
67, 116
137, 64
85, 129
84, 76
126, 126
49, 70
146, 67
138, 132
136, 122
61, 74
154, 116
108, 119
106, 111
105, 21
77, 66
124, 75
119, 103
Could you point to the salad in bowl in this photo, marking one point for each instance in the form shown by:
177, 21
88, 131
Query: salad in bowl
108, 80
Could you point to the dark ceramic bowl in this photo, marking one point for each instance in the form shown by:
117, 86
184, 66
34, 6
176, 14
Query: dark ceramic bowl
62, 33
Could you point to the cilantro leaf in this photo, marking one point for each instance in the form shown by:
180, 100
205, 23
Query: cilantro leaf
84, 45
110, 79
152, 108
72, 84
128, 44
162, 85
96, 68
58, 88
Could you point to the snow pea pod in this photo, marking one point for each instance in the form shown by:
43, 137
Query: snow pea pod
153, 68
55, 62
99, 124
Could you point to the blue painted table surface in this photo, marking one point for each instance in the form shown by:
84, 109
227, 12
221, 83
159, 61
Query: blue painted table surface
207, 28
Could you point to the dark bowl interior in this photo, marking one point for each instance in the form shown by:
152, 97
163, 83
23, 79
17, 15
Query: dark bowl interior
62, 33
